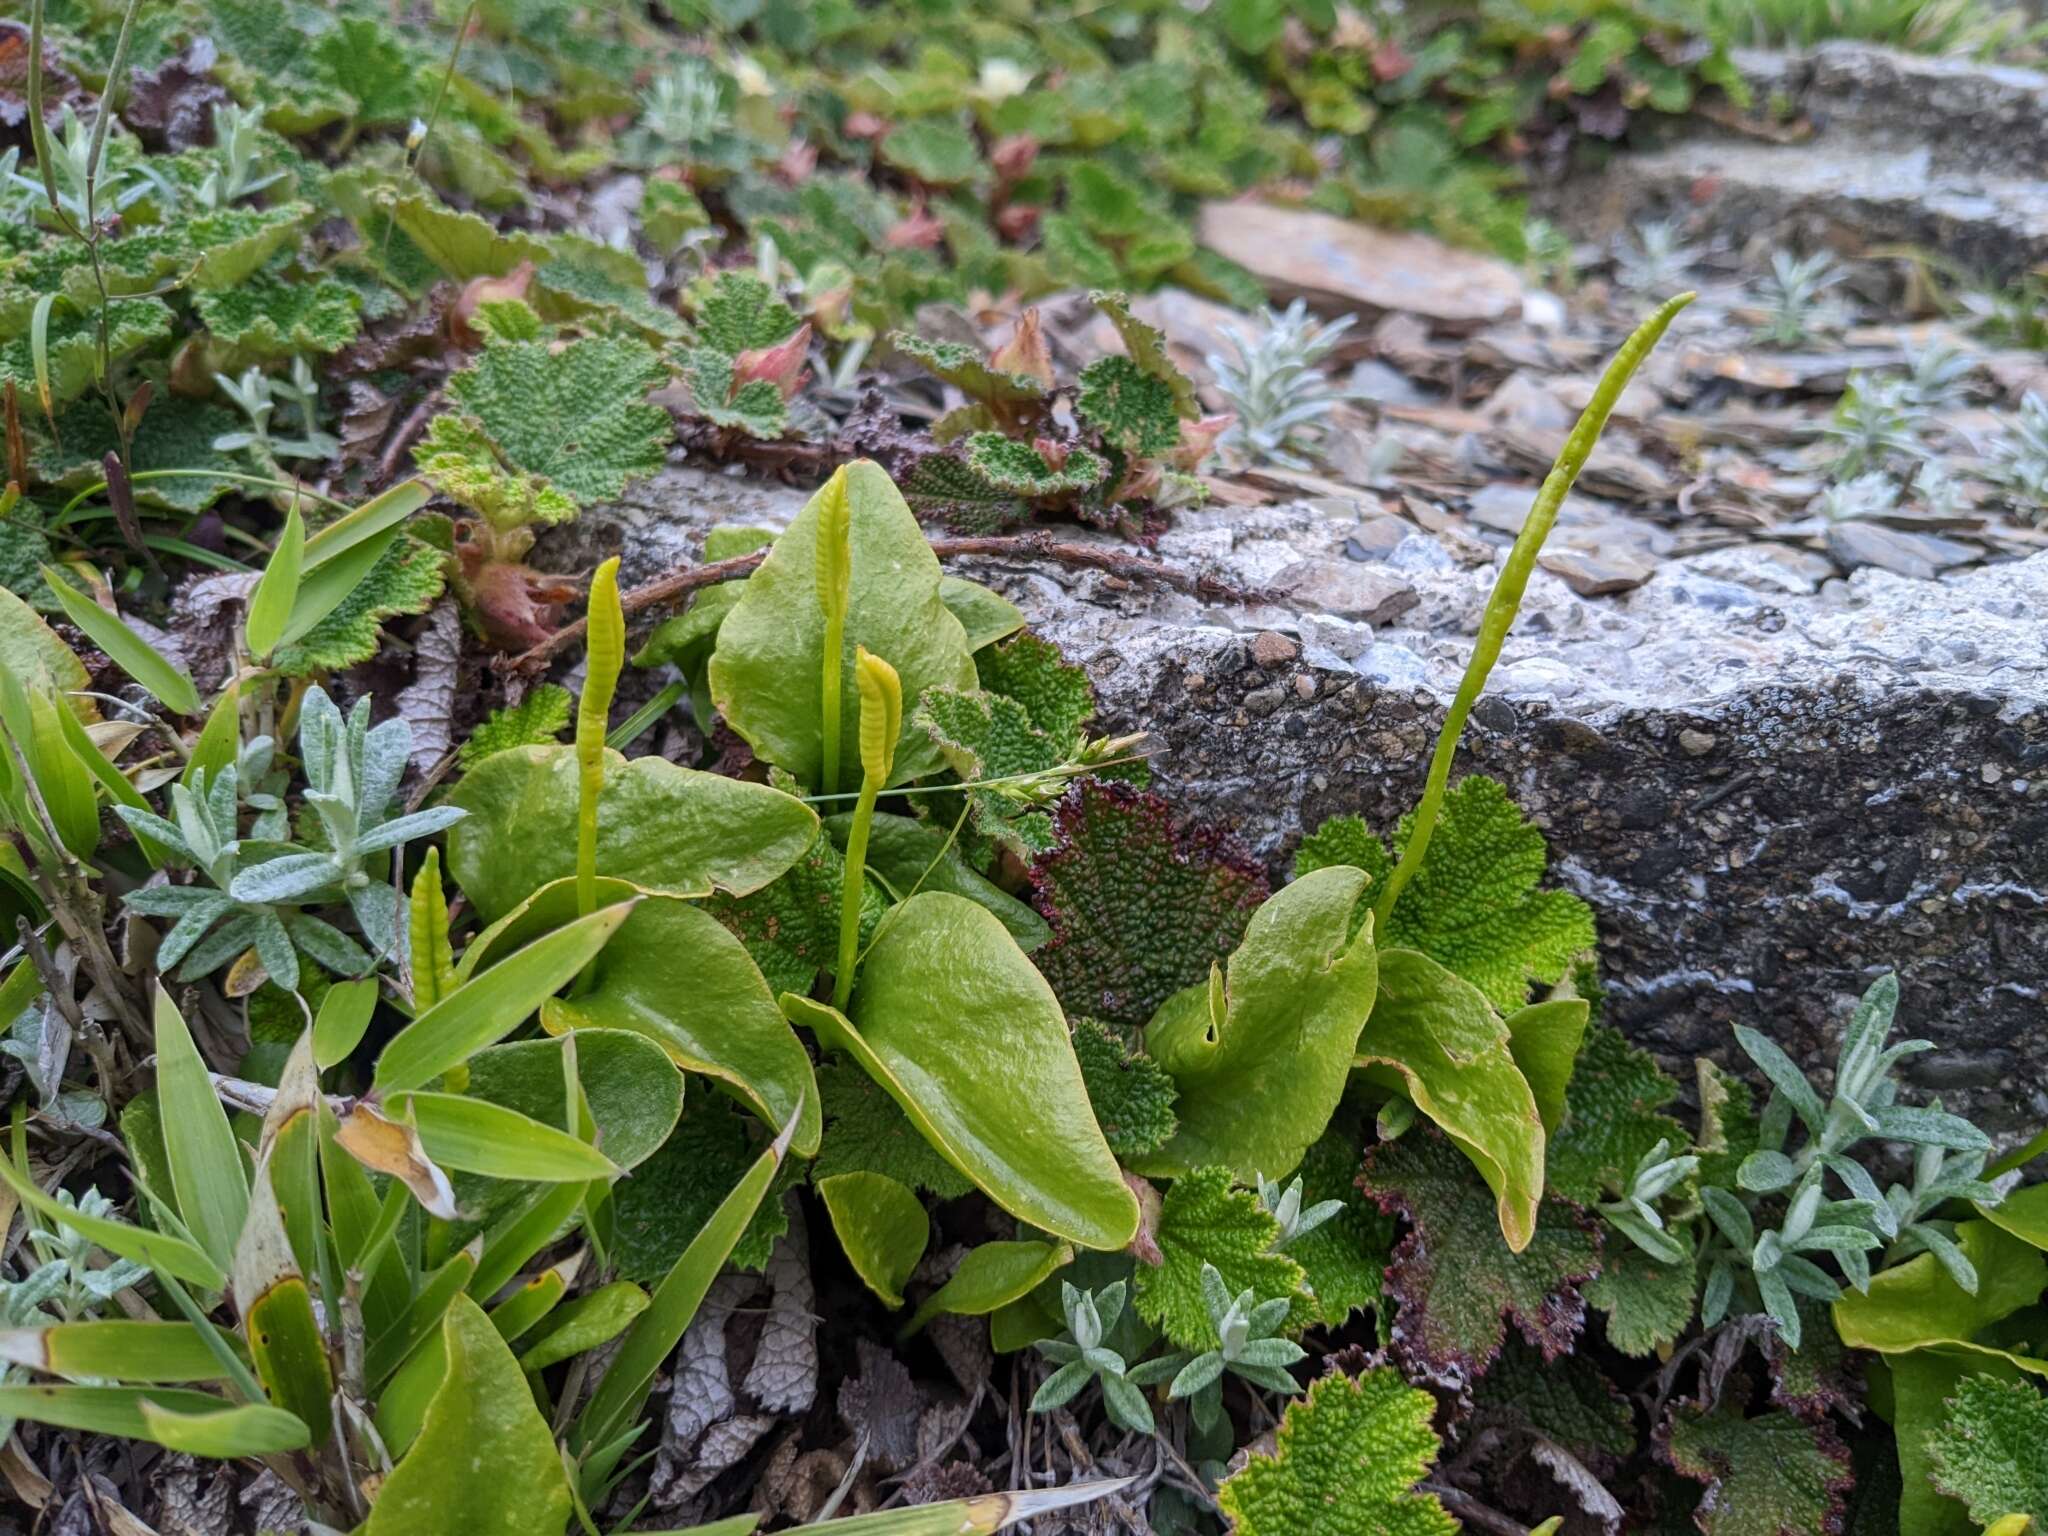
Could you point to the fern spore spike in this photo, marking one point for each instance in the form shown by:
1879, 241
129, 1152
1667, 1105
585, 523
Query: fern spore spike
835, 572
604, 657
1506, 600
881, 722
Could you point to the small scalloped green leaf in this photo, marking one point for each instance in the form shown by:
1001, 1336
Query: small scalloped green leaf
1346, 1461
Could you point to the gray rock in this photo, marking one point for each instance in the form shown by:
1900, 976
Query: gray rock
1339, 266
1348, 589
1769, 796
1905, 553
1597, 573
1944, 154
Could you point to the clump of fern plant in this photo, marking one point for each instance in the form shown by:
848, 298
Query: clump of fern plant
1281, 397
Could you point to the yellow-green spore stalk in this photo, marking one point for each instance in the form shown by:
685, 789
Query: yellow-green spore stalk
881, 722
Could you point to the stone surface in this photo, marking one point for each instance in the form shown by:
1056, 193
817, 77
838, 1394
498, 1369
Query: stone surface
1341, 266
1945, 154
1898, 550
1769, 785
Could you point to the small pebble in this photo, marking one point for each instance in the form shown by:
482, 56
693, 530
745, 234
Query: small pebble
1270, 648
1695, 743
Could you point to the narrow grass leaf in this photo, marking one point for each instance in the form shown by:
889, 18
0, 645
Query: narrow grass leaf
270, 606
477, 1136
492, 1005
168, 683
224, 1434
207, 1173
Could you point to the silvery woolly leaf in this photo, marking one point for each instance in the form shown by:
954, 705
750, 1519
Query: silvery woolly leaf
1865, 1036
1730, 1215
1808, 1278
1658, 1244
173, 900
1127, 1405
1720, 1290
291, 878
320, 737
151, 825
191, 927
219, 947
1765, 1173
386, 751
326, 945
1784, 1075
274, 949
1271, 1377
1200, 1372
1268, 1315
1109, 1304
1901, 1122
1778, 1302
1061, 1387
406, 828
1854, 1176
337, 813
1274, 1353
1948, 1256
376, 910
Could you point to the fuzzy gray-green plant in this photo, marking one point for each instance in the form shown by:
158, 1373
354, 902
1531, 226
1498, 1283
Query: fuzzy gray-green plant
1878, 421
260, 889
1792, 296
1281, 397
1656, 260
1780, 1260
2019, 459
1082, 1357
1250, 1344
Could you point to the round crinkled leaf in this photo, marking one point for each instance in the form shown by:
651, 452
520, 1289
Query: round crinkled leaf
1346, 1461
1456, 1283
675, 975
995, 1086
766, 672
1261, 1061
672, 831
1773, 1475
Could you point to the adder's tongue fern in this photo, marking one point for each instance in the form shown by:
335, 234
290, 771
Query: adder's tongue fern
1506, 600
603, 658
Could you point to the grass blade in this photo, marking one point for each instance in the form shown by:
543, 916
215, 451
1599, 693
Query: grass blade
224, 1434
623, 1392
166, 682
270, 606
141, 1352
477, 1136
492, 1005
207, 1173
379, 515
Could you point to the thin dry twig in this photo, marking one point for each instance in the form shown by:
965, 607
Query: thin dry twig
1036, 545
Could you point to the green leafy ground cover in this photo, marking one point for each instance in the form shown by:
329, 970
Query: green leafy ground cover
402, 1125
